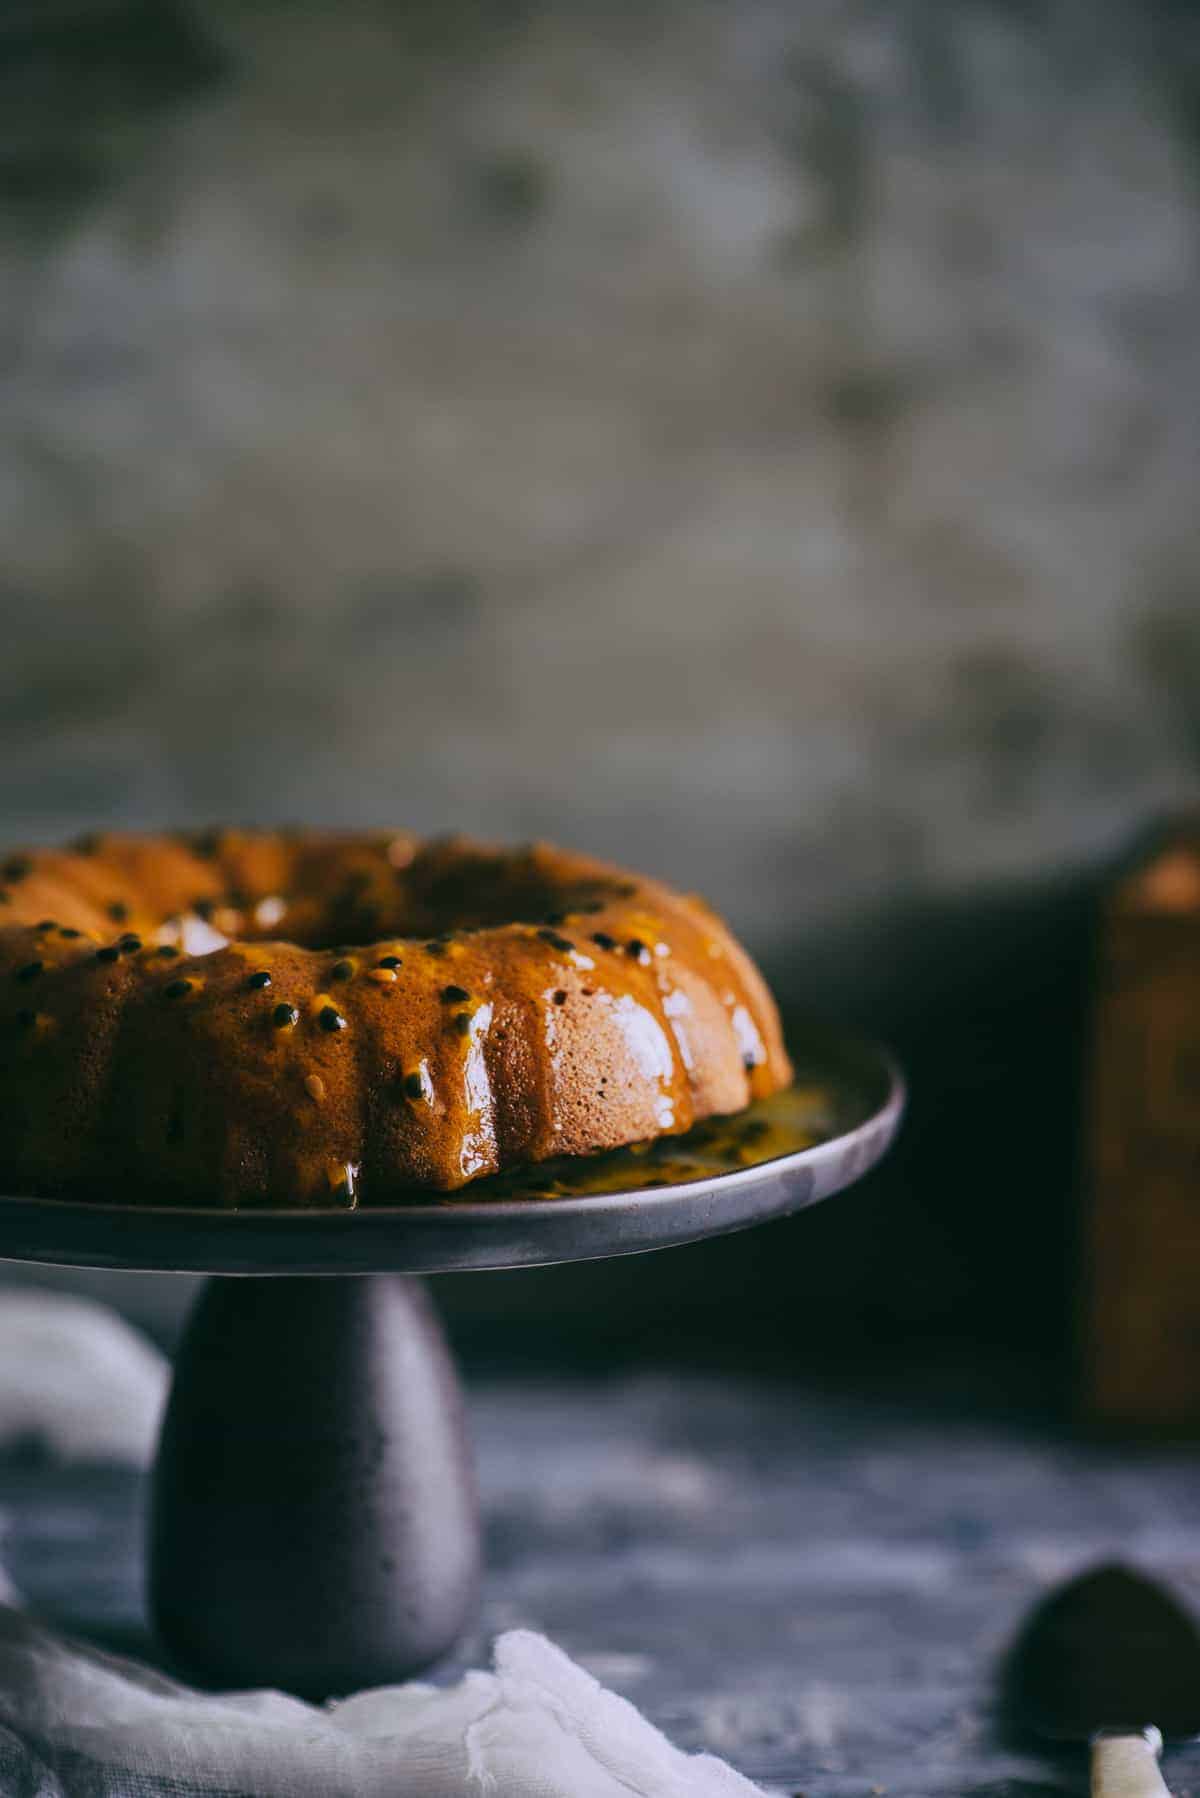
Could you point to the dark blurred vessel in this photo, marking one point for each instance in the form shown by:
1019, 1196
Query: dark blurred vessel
1140, 1365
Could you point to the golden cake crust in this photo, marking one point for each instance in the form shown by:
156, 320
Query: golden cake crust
384, 1015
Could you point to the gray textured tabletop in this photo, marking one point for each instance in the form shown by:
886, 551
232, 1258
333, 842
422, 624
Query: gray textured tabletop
814, 1580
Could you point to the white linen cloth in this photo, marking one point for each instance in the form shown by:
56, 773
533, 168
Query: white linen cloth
78, 1723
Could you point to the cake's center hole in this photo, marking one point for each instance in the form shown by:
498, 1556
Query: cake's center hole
367, 907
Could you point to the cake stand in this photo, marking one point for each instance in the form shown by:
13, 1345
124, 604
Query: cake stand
313, 1521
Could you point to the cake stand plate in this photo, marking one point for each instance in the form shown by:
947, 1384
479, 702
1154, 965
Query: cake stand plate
314, 1522
462, 1234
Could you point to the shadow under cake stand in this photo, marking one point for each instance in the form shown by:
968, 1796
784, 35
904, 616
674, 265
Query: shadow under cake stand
314, 1522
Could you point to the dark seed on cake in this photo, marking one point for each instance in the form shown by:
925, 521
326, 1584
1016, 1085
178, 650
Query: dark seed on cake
259, 980
561, 943
167, 950
342, 970
413, 1088
638, 950
560, 998
17, 867
46, 924
389, 961
435, 946
71, 935
330, 1018
31, 970
461, 1021
455, 995
602, 940
204, 908
749, 1062
177, 989
118, 911
129, 945
284, 1016
108, 953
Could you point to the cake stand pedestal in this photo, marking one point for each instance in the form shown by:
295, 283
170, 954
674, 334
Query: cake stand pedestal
314, 1523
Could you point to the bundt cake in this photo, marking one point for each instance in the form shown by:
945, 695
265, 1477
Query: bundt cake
289, 1019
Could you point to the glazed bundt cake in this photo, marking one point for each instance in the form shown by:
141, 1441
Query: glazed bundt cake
297, 1019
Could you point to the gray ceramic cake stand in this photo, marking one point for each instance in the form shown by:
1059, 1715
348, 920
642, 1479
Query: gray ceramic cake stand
314, 1521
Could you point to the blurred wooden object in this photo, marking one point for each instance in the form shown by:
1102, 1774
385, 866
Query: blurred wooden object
1141, 1217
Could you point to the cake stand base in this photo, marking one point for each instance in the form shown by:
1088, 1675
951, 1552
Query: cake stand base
314, 1522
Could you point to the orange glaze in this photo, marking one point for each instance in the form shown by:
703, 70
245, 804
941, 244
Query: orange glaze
374, 1016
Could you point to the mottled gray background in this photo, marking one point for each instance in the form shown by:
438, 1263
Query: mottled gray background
756, 441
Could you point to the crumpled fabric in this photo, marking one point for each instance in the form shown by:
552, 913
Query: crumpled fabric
78, 1723
77, 1380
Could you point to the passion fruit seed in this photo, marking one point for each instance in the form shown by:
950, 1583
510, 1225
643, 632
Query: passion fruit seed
108, 953
166, 950
284, 1016
389, 961
258, 981
602, 940
118, 911
177, 989
414, 1086
455, 995
314, 1086
561, 943
638, 950
461, 1022
342, 970
382, 976
331, 1019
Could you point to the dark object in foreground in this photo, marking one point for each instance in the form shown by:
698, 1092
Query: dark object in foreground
1111, 1658
295, 1403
